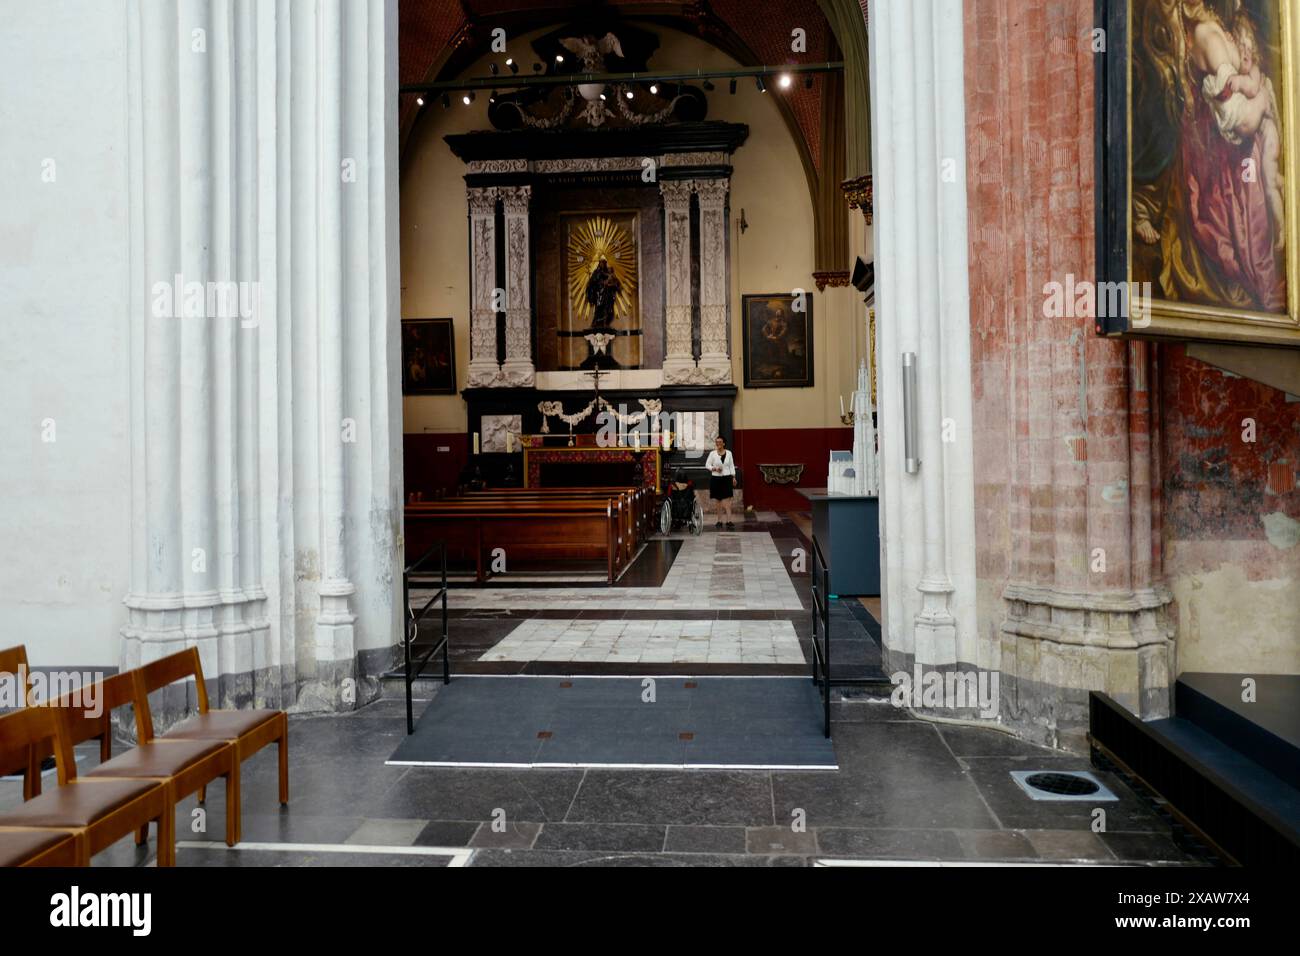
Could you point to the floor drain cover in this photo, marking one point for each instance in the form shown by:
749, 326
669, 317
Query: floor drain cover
1062, 785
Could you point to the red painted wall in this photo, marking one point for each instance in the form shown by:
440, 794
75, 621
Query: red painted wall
810, 447
427, 469
1217, 485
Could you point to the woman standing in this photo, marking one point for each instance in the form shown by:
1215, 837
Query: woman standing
722, 479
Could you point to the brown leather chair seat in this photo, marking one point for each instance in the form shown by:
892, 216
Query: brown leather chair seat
77, 804
19, 846
157, 759
221, 724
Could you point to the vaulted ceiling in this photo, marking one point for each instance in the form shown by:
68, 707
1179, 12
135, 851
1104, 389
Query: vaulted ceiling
440, 38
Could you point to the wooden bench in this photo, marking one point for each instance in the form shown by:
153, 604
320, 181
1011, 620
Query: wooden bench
551, 530
632, 506
96, 812
643, 500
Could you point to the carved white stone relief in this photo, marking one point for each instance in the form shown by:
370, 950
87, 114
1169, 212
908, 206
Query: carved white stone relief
494, 429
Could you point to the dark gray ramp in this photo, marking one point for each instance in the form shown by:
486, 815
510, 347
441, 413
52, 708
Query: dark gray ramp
757, 723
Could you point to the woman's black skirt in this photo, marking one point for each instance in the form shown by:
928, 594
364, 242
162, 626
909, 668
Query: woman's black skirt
720, 487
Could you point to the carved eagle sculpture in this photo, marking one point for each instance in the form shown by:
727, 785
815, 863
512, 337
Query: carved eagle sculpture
593, 51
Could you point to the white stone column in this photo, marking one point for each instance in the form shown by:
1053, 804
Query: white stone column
927, 519
334, 632
715, 356
484, 369
679, 363
265, 427
517, 370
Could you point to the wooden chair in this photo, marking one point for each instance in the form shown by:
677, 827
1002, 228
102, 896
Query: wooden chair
247, 730
13, 660
97, 812
37, 847
182, 766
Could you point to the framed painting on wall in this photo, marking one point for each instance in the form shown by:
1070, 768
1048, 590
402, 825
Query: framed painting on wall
428, 357
778, 341
1198, 230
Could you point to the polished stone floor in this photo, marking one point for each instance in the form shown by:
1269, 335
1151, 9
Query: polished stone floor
906, 790
739, 570
765, 550
651, 642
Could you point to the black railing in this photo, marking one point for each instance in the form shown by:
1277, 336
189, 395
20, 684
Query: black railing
821, 615
418, 573
821, 618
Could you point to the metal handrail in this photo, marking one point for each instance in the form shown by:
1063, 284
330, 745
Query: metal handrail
821, 613
412, 619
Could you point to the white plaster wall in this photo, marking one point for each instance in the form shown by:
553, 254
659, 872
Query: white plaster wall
64, 556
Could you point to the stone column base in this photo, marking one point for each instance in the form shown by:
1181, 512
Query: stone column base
1057, 646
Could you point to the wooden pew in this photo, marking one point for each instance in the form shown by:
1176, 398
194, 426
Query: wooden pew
636, 507
633, 505
96, 812
557, 530
643, 500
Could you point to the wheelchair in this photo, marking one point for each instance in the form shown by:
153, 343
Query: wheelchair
681, 508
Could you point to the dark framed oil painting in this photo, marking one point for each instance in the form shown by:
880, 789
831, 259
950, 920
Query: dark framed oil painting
778, 341
428, 357
1196, 154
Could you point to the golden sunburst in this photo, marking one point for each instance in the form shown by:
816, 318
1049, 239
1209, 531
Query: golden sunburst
590, 241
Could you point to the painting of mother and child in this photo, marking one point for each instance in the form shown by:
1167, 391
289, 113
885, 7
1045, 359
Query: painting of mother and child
1209, 219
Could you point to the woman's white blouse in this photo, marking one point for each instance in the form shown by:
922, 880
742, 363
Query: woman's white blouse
728, 463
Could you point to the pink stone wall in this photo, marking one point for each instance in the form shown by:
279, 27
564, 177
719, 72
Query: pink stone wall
1074, 448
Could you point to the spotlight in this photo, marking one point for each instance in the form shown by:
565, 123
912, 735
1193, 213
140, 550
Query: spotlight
807, 81
492, 67
446, 101
602, 97
559, 58
537, 68
732, 86
493, 97
762, 87
468, 98
419, 101
628, 94
708, 86
785, 81
654, 88
514, 67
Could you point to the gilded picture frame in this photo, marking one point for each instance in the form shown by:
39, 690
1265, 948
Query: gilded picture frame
1198, 192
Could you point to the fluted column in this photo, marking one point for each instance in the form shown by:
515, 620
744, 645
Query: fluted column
484, 369
715, 357
265, 415
517, 370
927, 519
679, 362
334, 634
